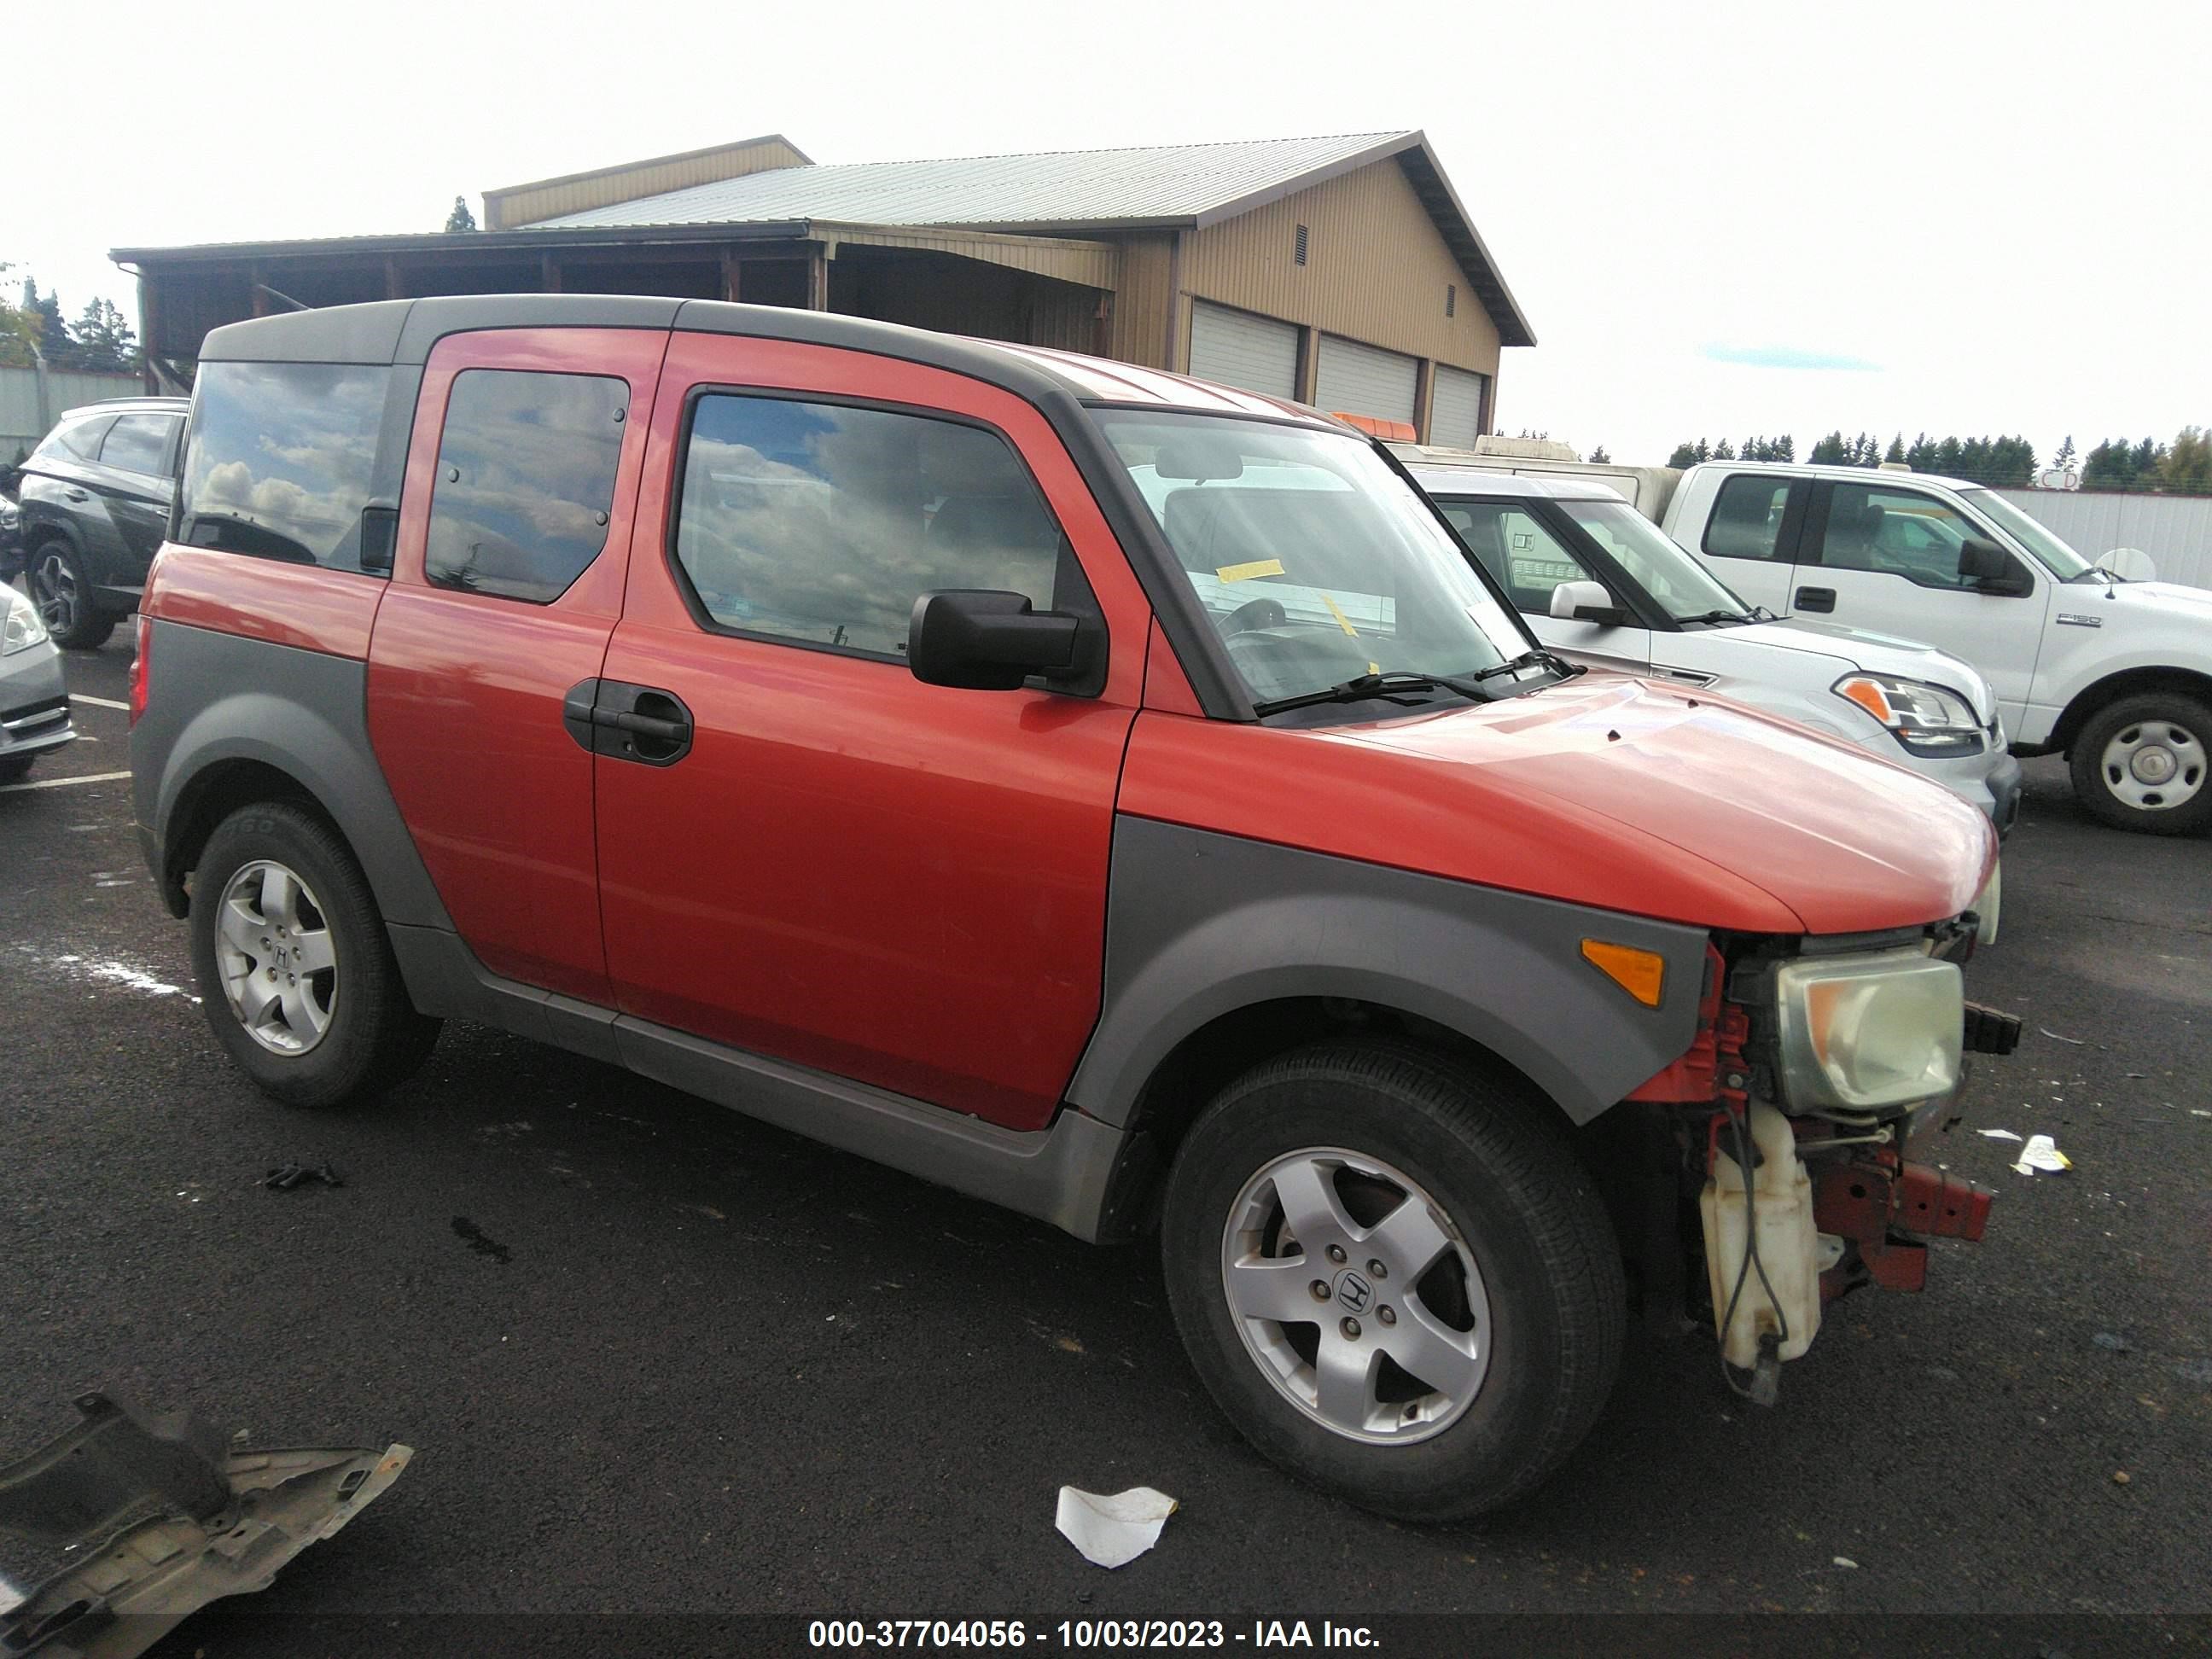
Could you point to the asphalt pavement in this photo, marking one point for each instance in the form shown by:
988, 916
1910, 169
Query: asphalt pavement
657, 1359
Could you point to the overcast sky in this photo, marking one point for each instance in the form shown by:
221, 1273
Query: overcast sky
1720, 220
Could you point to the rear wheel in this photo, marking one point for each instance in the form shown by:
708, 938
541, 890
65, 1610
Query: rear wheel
295, 970
66, 599
14, 768
1395, 1277
2145, 764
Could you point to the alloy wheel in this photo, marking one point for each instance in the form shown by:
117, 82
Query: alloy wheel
1356, 1296
278, 961
53, 588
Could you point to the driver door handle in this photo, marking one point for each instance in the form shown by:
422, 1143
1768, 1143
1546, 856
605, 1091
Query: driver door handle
1818, 599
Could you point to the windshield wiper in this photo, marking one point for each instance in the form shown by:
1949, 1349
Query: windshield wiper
1721, 617
1385, 684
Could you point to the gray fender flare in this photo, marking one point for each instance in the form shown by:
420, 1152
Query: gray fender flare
1200, 926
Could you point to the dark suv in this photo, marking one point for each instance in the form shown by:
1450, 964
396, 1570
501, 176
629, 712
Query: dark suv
95, 498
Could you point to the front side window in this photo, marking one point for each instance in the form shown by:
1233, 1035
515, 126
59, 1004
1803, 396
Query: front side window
279, 457
1528, 560
139, 443
823, 523
526, 481
2040, 539
1895, 532
1316, 563
1747, 521
1683, 588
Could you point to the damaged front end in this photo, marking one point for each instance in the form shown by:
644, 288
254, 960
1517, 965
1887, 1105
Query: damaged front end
112, 1533
1821, 1067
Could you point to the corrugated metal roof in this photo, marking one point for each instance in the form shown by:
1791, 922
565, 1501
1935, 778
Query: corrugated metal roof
1084, 186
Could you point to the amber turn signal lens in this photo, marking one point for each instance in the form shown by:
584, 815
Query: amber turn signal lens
1870, 698
1642, 974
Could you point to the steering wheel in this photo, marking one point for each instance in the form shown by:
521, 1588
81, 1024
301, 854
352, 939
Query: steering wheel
1254, 613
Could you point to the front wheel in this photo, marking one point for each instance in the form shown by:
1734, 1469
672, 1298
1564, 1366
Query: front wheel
2142, 763
66, 600
1395, 1275
295, 973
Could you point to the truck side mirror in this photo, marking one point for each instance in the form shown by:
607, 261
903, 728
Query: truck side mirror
1586, 602
987, 641
1988, 568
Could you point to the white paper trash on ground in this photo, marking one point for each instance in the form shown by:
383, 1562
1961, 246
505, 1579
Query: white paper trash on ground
2042, 1153
1113, 1529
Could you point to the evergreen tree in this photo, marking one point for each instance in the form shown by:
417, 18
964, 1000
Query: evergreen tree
2064, 457
1721, 452
2110, 466
1683, 456
1831, 451
48, 329
1783, 448
1896, 450
1598, 456
101, 342
16, 330
2149, 456
461, 218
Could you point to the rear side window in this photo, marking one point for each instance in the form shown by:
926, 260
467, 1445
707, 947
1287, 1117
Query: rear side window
823, 524
1747, 521
280, 458
526, 481
139, 443
78, 440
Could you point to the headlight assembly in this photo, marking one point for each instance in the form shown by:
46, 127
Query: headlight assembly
1863, 1032
1926, 719
22, 628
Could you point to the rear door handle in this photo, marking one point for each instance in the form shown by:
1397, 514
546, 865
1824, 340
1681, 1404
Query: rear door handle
1821, 600
75, 496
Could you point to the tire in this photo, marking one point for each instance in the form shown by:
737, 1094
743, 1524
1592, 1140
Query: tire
319, 1016
2144, 764
13, 769
65, 596
1543, 1310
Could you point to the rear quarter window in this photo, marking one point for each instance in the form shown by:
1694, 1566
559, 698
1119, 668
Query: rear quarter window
279, 459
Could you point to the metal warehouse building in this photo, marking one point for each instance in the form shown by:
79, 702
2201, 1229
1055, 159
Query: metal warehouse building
1339, 271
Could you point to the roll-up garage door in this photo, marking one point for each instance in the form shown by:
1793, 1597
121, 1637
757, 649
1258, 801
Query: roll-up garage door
1235, 348
1455, 409
1352, 379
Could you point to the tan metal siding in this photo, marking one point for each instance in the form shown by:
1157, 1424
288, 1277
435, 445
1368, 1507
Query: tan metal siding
1140, 331
1375, 268
529, 204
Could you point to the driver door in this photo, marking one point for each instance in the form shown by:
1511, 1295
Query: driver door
1884, 558
1529, 561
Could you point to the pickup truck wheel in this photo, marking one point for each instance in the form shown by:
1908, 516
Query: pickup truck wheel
1395, 1277
295, 970
2145, 764
65, 596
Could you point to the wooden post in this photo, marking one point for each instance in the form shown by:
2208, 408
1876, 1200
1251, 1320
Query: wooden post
394, 288
549, 274
818, 279
732, 268
1425, 393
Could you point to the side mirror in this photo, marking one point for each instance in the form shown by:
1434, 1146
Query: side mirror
986, 640
1990, 568
1586, 602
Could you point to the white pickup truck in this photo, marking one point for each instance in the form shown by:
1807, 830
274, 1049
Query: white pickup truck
2089, 658
1602, 585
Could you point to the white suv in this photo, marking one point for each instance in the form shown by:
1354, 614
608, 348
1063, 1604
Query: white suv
2087, 657
1602, 585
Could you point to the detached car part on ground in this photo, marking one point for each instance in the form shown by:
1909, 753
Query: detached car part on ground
115, 1531
34, 706
1113, 797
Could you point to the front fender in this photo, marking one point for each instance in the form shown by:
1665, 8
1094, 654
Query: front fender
1200, 925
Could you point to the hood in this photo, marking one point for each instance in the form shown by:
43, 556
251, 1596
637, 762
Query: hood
1878, 654
1846, 842
2169, 599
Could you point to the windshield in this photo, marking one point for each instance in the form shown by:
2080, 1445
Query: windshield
1684, 588
1316, 563
2061, 560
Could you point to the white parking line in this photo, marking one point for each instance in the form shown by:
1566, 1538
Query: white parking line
99, 702
62, 783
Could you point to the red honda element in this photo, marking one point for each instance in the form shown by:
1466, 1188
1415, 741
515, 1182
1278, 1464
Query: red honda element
1111, 796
